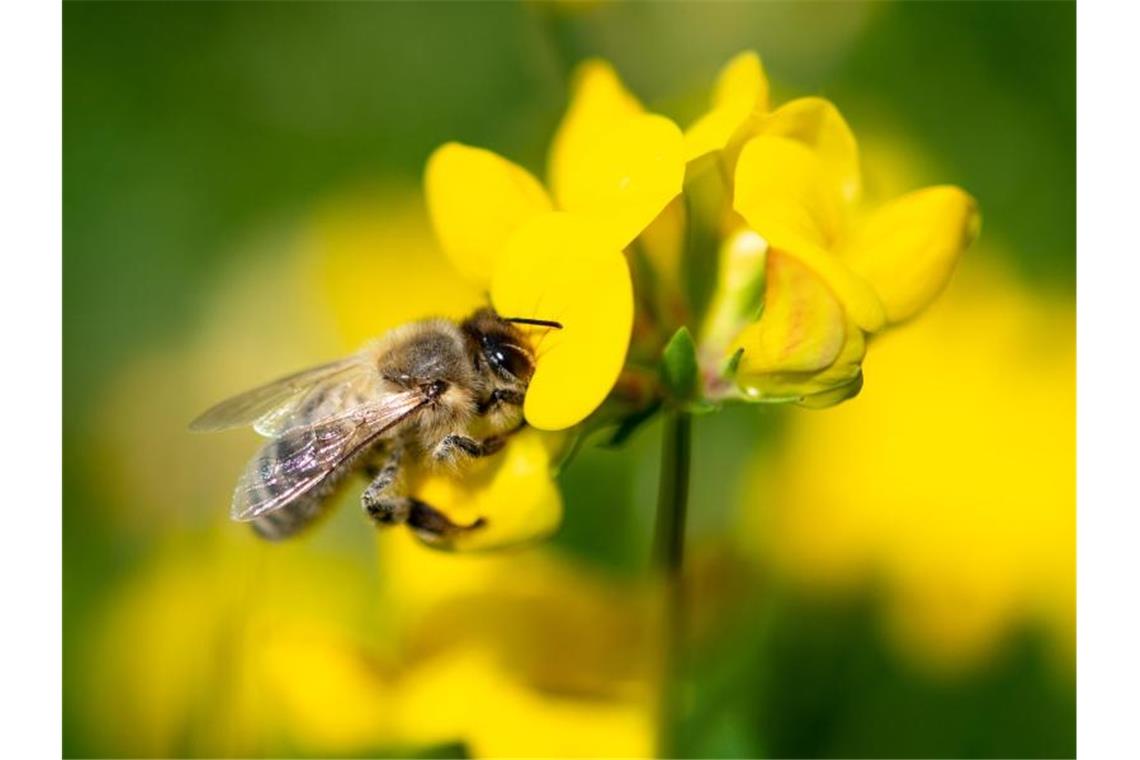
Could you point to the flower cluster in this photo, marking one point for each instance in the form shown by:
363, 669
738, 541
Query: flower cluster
807, 275
765, 201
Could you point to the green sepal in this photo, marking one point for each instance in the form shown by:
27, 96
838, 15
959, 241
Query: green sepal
679, 369
732, 366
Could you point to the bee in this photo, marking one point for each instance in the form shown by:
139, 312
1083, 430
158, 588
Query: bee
437, 392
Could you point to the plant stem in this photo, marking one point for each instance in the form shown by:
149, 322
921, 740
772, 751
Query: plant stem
669, 550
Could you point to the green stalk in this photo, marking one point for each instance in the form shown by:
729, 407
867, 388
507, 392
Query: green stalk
669, 551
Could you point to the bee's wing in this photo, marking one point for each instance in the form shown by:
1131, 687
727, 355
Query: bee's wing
357, 386
267, 406
303, 457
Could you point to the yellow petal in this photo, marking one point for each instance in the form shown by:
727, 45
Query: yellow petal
625, 176
598, 102
477, 199
663, 246
361, 246
908, 248
663, 240
564, 267
802, 328
513, 493
815, 389
838, 394
781, 188
845, 369
741, 91
817, 123
855, 293
783, 191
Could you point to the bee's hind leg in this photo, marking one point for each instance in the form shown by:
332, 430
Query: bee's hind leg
434, 527
386, 504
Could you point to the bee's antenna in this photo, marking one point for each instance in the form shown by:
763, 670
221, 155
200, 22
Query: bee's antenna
537, 322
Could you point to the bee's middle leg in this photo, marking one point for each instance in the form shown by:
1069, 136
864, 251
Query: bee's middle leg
383, 500
455, 445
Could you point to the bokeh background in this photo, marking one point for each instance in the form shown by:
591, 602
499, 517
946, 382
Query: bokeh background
893, 577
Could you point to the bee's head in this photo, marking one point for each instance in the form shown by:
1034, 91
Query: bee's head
497, 345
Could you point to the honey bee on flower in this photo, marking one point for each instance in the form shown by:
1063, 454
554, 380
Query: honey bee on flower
604, 380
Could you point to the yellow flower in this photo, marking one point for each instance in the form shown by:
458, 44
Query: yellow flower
961, 510
558, 256
819, 274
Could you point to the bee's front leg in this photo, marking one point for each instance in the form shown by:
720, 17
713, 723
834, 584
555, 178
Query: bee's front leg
500, 396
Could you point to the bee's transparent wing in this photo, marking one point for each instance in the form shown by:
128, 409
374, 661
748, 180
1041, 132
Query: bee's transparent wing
357, 386
291, 465
268, 406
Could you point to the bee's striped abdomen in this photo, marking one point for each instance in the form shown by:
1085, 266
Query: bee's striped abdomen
298, 514
291, 518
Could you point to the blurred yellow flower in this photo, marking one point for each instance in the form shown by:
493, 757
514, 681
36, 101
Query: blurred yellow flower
524, 654
949, 483
222, 646
613, 169
239, 648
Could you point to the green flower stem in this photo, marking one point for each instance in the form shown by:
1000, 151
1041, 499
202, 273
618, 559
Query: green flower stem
669, 550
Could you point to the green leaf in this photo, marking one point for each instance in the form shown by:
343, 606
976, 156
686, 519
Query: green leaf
679, 371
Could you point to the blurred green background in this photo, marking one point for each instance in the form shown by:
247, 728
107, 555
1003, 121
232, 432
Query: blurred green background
205, 142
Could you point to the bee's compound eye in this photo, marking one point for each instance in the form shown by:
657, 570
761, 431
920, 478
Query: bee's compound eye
518, 363
510, 359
